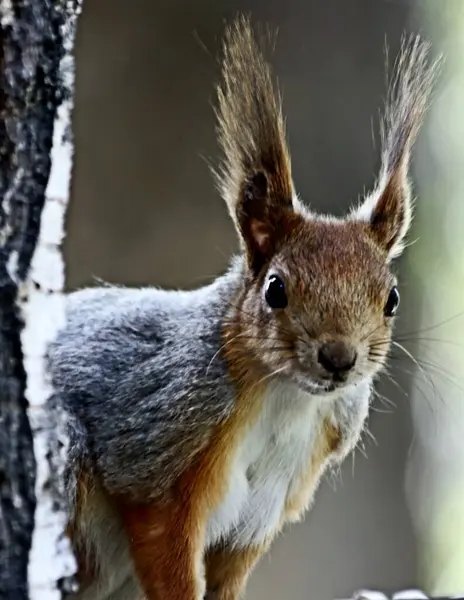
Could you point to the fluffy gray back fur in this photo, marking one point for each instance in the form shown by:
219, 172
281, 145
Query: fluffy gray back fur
142, 378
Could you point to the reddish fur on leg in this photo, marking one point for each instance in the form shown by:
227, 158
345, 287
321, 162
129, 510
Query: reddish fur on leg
167, 540
227, 570
166, 550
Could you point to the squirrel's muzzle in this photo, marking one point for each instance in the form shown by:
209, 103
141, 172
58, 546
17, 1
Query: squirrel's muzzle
337, 357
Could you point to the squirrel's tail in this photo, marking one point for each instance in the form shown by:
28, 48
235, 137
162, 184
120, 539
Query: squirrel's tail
251, 127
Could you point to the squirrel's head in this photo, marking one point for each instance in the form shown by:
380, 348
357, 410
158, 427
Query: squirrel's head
320, 297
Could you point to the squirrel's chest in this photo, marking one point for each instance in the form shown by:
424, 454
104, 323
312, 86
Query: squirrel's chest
270, 461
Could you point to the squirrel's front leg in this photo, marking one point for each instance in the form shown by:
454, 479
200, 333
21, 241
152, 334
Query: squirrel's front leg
167, 539
227, 570
166, 544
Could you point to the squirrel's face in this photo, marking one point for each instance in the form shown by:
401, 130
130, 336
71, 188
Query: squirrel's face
319, 296
321, 312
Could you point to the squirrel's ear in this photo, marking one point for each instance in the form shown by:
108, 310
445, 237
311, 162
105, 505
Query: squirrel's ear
255, 175
388, 209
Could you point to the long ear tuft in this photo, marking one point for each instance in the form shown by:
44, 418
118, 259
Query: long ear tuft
389, 208
255, 175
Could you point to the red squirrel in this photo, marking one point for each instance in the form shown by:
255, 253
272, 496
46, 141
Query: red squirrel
201, 421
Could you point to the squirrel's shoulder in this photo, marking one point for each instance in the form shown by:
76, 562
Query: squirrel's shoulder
109, 305
140, 369
109, 313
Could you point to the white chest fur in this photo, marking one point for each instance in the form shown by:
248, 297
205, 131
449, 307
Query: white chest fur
274, 455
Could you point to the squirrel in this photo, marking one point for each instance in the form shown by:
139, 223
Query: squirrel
201, 421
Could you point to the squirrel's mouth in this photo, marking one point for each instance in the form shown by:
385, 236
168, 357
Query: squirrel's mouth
317, 387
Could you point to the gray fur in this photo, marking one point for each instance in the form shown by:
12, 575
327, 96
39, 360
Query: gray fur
140, 374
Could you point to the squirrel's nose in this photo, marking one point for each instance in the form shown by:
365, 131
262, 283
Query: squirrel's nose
337, 356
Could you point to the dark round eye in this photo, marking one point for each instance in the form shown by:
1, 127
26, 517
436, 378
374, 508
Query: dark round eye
392, 303
275, 292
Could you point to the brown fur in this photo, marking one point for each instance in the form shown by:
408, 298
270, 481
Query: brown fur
84, 556
255, 177
390, 205
336, 278
227, 570
387, 221
167, 541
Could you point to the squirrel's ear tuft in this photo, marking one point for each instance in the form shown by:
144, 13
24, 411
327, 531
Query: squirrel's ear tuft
388, 209
255, 175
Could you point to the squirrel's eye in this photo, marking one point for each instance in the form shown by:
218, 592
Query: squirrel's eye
275, 292
392, 303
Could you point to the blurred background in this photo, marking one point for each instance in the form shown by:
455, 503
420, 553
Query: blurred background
144, 211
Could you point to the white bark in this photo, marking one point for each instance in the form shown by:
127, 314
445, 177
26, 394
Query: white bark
51, 558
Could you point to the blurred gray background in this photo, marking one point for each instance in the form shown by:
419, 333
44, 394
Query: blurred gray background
144, 211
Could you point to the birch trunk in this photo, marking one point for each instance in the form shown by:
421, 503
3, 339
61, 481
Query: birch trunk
36, 86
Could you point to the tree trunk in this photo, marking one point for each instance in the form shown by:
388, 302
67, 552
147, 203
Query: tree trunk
36, 85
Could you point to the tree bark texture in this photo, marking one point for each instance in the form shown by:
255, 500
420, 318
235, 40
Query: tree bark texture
36, 84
